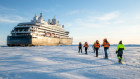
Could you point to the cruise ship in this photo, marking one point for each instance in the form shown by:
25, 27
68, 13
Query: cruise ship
39, 32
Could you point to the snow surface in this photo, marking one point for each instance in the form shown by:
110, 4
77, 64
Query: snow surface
64, 62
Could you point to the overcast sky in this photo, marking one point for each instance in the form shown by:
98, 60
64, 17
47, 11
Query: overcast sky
87, 20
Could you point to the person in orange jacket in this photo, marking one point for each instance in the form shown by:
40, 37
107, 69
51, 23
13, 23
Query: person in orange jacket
80, 47
97, 46
106, 47
86, 47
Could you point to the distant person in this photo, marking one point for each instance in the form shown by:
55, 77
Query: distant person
93, 47
80, 47
97, 46
86, 47
119, 51
106, 47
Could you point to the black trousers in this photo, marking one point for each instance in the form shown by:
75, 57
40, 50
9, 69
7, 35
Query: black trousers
86, 50
120, 53
80, 49
96, 51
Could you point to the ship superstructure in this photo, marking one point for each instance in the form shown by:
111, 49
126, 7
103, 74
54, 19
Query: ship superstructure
39, 32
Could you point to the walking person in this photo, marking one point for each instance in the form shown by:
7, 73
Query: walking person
119, 51
106, 47
93, 47
97, 46
86, 47
80, 47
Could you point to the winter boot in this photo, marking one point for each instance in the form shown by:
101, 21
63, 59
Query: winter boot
106, 58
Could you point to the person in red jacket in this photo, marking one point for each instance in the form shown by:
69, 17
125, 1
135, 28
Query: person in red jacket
97, 46
106, 47
86, 47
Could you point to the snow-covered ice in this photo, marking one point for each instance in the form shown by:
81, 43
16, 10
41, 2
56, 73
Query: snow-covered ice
64, 62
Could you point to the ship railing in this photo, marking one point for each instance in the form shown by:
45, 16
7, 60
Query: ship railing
20, 31
23, 26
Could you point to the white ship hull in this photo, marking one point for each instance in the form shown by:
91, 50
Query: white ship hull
51, 41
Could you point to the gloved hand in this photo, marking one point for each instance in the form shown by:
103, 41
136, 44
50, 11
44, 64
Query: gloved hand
116, 52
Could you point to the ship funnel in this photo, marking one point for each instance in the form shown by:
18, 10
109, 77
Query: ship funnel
40, 14
62, 26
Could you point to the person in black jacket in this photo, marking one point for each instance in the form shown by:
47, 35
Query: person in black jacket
94, 47
80, 47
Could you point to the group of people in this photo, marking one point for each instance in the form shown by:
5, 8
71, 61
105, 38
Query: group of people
106, 45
